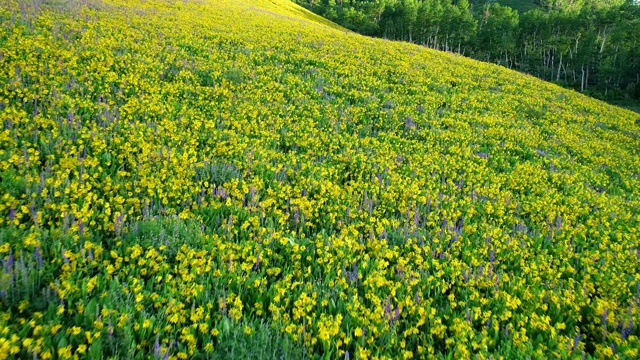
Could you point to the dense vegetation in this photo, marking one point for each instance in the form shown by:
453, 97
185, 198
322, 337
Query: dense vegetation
588, 46
243, 179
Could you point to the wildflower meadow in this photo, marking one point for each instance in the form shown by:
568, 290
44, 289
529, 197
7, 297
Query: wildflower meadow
211, 179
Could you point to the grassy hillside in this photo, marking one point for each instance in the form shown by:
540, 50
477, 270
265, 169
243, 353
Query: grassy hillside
240, 179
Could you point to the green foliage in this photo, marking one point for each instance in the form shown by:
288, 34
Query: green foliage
255, 340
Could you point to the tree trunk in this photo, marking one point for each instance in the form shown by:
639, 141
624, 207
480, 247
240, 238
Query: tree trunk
559, 68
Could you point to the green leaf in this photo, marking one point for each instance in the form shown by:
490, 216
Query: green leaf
95, 350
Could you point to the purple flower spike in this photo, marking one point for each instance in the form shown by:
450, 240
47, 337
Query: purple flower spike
10, 261
156, 347
346, 355
12, 214
110, 329
38, 256
576, 341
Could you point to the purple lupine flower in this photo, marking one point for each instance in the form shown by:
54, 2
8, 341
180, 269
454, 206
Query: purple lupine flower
34, 214
38, 256
506, 330
624, 334
355, 271
576, 341
119, 223
488, 323
417, 297
613, 348
110, 329
492, 256
364, 332
387, 308
482, 155
156, 347
296, 216
346, 355
409, 123
12, 214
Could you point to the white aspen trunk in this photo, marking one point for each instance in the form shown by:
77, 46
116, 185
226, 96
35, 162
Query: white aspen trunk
559, 68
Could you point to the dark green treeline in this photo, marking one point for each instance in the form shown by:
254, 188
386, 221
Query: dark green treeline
592, 46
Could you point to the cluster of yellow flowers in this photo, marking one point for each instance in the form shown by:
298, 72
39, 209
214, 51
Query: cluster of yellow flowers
184, 178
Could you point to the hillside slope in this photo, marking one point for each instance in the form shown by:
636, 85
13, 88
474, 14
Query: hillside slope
242, 179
